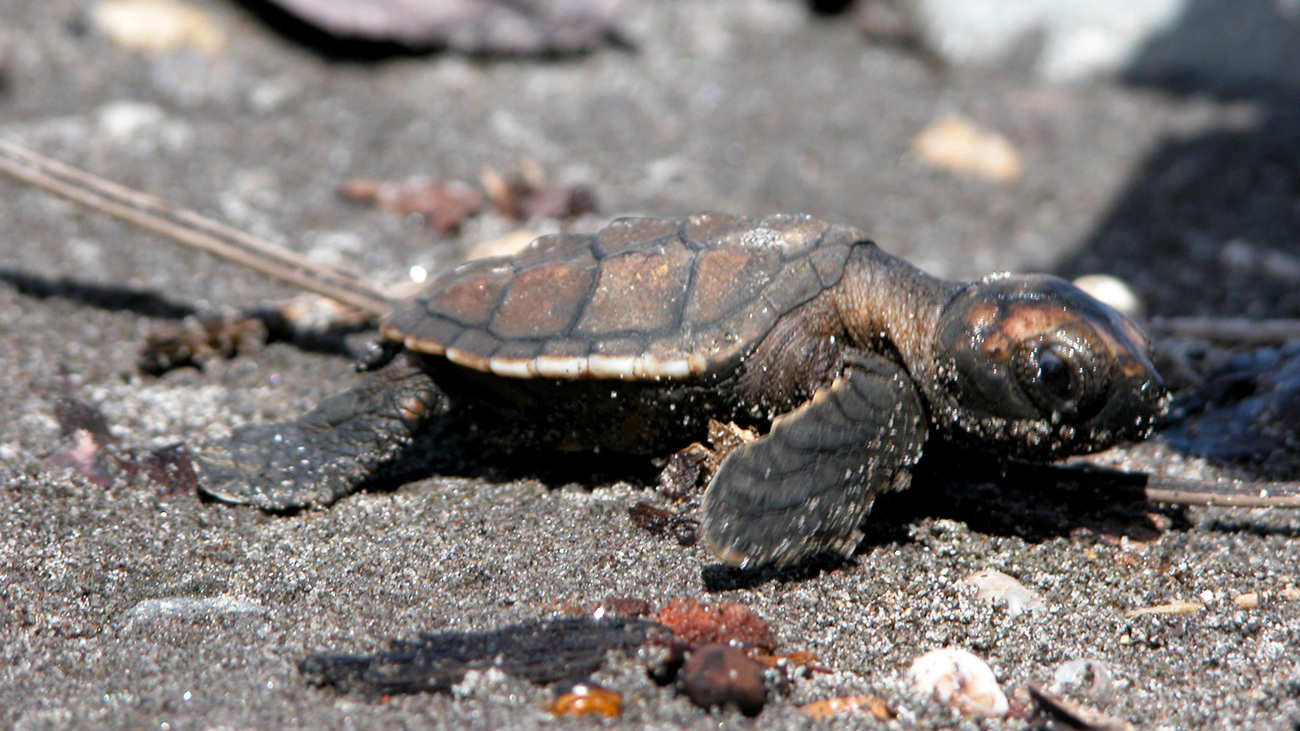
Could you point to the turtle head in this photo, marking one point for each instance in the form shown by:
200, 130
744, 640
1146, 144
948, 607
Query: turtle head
1033, 367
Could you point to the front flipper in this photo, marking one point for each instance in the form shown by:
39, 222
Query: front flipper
806, 486
327, 452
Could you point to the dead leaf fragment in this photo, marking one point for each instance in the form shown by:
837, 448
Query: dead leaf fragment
724, 622
658, 521
1249, 600
444, 205
957, 145
157, 26
529, 195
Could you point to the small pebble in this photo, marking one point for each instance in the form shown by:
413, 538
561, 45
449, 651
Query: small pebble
831, 707
717, 675
993, 586
959, 146
587, 698
961, 679
1112, 291
1247, 601
157, 26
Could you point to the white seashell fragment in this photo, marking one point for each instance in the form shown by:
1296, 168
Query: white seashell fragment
959, 678
992, 585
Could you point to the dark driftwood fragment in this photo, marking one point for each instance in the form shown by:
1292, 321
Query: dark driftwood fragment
541, 652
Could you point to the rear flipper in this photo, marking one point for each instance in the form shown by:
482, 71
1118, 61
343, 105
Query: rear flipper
807, 485
326, 453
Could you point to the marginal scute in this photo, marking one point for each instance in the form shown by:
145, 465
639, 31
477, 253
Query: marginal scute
611, 366
617, 346
518, 349
554, 366
642, 299
513, 367
565, 348
421, 331
479, 342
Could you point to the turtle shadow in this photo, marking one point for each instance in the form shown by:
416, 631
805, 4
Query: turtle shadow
357, 49
107, 297
458, 446
1036, 503
116, 298
1207, 226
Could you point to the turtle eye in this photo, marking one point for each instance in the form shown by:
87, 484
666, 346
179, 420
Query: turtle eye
1052, 379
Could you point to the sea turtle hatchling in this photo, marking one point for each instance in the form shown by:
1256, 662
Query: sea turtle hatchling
846, 359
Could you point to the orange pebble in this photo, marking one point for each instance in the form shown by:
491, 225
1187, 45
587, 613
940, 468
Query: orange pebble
585, 698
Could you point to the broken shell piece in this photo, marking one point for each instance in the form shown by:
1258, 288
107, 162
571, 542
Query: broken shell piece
1053, 711
957, 677
1092, 677
992, 585
585, 698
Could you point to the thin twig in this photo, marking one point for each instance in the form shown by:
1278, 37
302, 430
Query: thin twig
1236, 494
1232, 330
189, 228
1161, 488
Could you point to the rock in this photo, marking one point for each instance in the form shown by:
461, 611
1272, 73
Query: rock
1076, 38
717, 675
